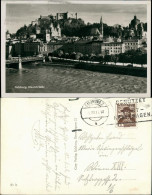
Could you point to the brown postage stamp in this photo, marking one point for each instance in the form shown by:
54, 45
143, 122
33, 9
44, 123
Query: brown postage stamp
126, 115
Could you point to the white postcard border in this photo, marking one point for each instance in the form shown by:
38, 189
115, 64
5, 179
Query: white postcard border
3, 69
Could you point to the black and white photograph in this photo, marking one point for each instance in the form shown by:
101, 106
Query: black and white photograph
80, 48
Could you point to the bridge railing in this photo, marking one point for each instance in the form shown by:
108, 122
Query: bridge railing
24, 59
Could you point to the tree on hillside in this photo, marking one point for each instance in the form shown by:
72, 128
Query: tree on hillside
45, 23
22, 31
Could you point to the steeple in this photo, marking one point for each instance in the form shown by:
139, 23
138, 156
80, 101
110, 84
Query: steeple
101, 27
101, 20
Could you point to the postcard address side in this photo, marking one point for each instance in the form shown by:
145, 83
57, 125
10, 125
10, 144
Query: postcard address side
66, 155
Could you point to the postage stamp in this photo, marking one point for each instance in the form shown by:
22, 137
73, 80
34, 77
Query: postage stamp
126, 115
94, 112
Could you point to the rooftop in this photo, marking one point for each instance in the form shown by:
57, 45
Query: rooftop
130, 40
113, 42
95, 32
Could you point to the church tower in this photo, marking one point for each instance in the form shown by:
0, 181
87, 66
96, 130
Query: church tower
101, 27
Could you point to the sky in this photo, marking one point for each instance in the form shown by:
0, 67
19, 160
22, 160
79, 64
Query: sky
19, 14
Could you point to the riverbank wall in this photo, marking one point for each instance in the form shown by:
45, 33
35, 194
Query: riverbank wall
104, 68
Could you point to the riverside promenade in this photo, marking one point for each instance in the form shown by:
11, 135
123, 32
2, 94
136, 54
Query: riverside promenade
110, 67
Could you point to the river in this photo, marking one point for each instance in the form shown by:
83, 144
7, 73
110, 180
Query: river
37, 78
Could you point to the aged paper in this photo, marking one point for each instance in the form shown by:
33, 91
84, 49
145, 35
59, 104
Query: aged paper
103, 48
76, 146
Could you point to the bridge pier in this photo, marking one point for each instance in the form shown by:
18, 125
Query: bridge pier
19, 63
50, 59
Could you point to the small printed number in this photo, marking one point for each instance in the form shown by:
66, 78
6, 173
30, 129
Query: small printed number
13, 184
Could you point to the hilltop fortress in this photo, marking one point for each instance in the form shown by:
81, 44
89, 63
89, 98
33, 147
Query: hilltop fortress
53, 30
58, 16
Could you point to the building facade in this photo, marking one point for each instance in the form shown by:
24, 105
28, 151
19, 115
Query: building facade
9, 51
55, 31
112, 48
18, 49
38, 30
131, 44
33, 36
31, 48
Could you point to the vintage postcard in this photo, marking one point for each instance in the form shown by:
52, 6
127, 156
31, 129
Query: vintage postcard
76, 146
76, 48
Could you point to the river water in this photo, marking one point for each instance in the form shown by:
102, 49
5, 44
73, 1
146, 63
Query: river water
37, 78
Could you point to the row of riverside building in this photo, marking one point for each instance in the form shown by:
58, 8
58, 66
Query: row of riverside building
84, 47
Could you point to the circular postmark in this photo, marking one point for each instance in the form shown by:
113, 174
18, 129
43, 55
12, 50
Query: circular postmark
94, 112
